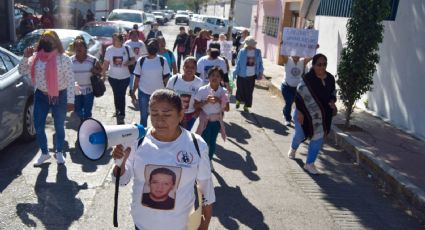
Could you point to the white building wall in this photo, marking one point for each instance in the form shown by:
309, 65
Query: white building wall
399, 82
243, 11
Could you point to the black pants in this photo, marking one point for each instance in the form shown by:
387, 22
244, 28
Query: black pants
245, 89
119, 88
180, 56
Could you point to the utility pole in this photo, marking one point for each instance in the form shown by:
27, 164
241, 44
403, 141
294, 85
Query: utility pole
231, 14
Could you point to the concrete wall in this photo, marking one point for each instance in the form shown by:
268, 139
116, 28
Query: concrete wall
243, 11
399, 81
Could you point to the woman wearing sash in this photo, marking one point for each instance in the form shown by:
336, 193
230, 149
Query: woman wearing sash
315, 106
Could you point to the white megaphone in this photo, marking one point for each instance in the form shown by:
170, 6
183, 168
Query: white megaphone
94, 138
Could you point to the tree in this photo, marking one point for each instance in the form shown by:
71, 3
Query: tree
358, 60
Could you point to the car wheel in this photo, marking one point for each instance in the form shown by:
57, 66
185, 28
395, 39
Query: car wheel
28, 129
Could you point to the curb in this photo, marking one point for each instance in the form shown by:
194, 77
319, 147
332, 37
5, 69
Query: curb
410, 197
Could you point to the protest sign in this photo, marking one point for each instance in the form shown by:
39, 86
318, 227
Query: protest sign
299, 42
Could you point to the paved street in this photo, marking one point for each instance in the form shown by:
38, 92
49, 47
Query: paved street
257, 186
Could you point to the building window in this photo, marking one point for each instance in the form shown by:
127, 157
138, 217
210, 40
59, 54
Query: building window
342, 8
270, 26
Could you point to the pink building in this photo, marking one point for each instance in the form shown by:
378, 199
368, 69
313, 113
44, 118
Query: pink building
270, 16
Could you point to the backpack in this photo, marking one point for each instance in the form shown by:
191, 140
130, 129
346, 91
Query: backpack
161, 59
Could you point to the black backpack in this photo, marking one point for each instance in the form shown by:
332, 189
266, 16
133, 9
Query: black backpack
161, 59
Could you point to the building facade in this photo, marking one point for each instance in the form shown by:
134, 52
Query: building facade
399, 81
221, 8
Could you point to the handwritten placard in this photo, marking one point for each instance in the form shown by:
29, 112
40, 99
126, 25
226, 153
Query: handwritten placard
299, 42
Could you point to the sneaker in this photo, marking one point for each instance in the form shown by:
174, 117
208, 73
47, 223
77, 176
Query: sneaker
59, 158
238, 104
41, 159
246, 109
287, 123
291, 153
311, 169
120, 121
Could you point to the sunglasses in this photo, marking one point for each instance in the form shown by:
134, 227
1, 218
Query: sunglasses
323, 64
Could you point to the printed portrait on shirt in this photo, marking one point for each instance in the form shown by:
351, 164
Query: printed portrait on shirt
250, 61
117, 61
161, 183
295, 71
206, 68
136, 50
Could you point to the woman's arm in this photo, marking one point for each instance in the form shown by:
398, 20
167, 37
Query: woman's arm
207, 212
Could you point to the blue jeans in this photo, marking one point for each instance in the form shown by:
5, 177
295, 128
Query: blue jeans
209, 135
313, 147
84, 105
130, 84
144, 107
119, 88
41, 109
288, 94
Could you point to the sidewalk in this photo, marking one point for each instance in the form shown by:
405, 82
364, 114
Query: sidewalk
390, 156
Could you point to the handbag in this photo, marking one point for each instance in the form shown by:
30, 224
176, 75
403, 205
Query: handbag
97, 84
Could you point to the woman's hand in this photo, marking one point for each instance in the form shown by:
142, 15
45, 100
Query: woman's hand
300, 117
120, 153
212, 99
28, 52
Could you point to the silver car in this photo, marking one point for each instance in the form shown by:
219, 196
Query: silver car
16, 101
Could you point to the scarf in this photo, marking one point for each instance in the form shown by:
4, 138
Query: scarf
51, 73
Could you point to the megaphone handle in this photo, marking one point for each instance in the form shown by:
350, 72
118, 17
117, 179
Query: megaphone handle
117, 185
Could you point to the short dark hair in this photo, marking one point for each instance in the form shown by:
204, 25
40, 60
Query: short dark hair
165, 171
317, 56
182, 28
80, 40
216, 69
120, 36
216, 36
166, 95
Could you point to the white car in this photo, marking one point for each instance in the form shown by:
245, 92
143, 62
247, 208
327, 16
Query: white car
182, 17
127, 18
216, 24
159, 16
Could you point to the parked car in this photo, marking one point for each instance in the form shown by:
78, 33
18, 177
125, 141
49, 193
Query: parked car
102, 32
127, 18
150, 18
216, 24
16, 101
66, 37
159, 16
182, 17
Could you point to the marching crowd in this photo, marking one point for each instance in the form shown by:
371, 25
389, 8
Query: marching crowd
171, 163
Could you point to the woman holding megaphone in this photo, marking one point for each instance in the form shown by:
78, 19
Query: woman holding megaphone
169, 167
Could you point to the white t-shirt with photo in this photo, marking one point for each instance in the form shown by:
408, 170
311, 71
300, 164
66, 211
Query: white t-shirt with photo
293, 72
204, 92
151, 74
186, 90
139, 48
116, 57
205, 63
181, 157
250, 63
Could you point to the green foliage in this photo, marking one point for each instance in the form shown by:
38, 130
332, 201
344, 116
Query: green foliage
193, 5
358, 60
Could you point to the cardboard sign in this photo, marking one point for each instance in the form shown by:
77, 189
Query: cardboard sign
299, 42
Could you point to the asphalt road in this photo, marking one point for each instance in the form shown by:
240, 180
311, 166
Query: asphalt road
256, 185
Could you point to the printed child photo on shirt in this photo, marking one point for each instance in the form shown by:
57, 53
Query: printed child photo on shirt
117, 60
136, 50
250, 61
161, 183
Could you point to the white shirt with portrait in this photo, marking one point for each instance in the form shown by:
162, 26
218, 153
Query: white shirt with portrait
182, 87
139, 48
205, 64
293, 72
169, 154
116, 58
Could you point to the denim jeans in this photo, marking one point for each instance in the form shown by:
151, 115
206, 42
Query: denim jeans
288, 93
180, 57
313, 147
84, 105
209, 135
41, 109
119, 88
130, 84
144, 107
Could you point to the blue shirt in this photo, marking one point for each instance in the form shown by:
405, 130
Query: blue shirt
170, 58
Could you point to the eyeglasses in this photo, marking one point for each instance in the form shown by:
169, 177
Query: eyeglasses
323, 64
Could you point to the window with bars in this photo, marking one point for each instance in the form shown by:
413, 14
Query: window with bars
270, 26
342, 8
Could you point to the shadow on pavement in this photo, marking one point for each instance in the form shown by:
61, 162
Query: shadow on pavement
354, 198
234, 160
266, 122
237, 132
232, 205
57, 205
13, 159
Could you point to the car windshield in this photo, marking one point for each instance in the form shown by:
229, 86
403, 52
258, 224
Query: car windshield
32, 39
100, 30
130, 17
